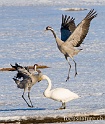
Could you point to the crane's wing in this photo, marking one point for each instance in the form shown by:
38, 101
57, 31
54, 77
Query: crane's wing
67, 27
16, 66
22, 71
21, 75
81, 31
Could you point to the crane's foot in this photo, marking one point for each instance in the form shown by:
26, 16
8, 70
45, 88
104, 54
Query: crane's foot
67, 78
76, 74
30, 106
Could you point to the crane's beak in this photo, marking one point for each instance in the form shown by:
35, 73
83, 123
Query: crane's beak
45, 30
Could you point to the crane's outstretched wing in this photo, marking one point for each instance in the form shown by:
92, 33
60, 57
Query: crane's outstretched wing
16, 66
67, 27
22, 75
22, 71
81, 31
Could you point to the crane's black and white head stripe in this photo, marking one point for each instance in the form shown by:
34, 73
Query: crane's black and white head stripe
49, 28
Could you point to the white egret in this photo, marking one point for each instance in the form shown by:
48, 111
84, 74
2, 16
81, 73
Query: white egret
59, 94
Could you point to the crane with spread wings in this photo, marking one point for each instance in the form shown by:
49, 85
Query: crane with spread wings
72, 36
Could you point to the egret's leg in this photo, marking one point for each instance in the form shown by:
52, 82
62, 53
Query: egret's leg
69, 69
25, 100
30, 99
63, 106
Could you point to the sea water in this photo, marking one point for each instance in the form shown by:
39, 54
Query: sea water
23, 40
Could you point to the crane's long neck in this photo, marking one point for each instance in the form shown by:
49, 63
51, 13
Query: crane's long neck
58, 41
53, 33
47, 91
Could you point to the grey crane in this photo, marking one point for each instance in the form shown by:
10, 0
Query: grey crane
70, 41
27, 81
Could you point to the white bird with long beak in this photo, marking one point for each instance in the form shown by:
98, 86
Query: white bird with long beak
59, 94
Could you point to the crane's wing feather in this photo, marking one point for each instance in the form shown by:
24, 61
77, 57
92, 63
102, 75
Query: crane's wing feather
81, 31
67, 27
22, 71
22, 75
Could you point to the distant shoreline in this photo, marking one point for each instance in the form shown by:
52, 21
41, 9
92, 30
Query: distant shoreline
73, 9
53, 118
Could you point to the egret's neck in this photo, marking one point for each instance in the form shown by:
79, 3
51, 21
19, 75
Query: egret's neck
47, 91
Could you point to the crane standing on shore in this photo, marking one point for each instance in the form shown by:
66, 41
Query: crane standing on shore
29, 79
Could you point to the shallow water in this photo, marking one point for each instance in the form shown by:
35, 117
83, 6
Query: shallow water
23, 40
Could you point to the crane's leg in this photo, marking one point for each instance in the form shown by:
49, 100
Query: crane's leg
75, 67
25, 100
69, 68
63, 106
30, 99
